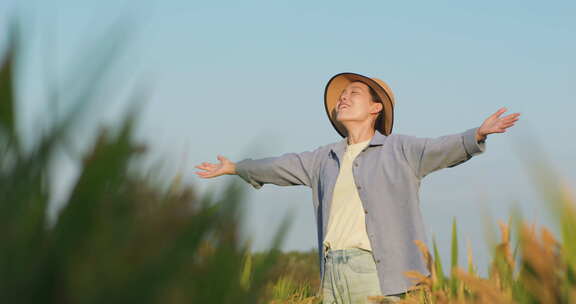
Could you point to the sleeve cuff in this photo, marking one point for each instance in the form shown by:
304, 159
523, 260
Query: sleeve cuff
242, 170
471, 145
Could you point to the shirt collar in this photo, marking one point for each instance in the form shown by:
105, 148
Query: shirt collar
377, 140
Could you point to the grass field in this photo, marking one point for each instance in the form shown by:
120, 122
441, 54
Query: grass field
124, 236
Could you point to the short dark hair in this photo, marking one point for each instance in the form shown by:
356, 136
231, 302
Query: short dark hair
375, 98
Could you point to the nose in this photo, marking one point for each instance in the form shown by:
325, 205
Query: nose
342, 98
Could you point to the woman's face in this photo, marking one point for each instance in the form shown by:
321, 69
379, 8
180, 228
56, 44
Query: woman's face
355, 104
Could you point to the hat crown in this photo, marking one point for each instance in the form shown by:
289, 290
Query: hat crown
386, 88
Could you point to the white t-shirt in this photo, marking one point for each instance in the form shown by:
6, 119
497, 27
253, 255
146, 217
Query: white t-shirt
346, 224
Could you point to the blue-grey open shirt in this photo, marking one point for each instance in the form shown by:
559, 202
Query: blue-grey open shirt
387, 174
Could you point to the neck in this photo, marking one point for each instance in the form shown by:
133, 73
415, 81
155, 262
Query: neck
360, 134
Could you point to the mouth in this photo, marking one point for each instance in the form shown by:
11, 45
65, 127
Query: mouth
343, 106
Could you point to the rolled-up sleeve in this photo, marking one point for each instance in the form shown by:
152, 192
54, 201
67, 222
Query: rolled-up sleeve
426, 155
288, 169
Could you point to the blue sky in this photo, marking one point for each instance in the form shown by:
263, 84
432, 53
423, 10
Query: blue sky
245, 79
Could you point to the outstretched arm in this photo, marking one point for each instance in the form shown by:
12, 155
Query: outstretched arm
426, 155
286, 170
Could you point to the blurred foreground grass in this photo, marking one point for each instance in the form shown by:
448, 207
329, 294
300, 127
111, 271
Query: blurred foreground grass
123, 238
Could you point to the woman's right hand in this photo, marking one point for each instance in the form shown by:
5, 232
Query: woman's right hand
212, 170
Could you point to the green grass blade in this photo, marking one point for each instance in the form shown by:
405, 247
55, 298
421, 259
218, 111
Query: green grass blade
454, 258
438, 266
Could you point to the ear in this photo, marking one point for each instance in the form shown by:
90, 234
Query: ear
376, 107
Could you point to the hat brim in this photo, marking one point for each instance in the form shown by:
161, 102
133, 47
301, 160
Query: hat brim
339, 82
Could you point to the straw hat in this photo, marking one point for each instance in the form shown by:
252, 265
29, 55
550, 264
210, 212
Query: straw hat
340, 81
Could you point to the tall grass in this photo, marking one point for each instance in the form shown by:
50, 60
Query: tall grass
540, 268
120, 237
294, 278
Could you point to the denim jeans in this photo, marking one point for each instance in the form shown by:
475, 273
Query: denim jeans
351, 277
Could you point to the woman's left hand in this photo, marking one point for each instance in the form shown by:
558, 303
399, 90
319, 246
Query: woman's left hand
496, 124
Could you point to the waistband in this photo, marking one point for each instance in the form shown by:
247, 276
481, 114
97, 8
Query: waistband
346, 252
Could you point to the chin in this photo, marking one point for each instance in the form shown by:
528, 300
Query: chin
342, 118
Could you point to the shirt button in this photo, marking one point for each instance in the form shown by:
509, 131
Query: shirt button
378, 261
358, 187
365, 211
355, 164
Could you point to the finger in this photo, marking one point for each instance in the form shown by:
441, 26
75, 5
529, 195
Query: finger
505, 122
504, 126
205, 174
508, 121
201, 174
499, 112
512, 116
204, 167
